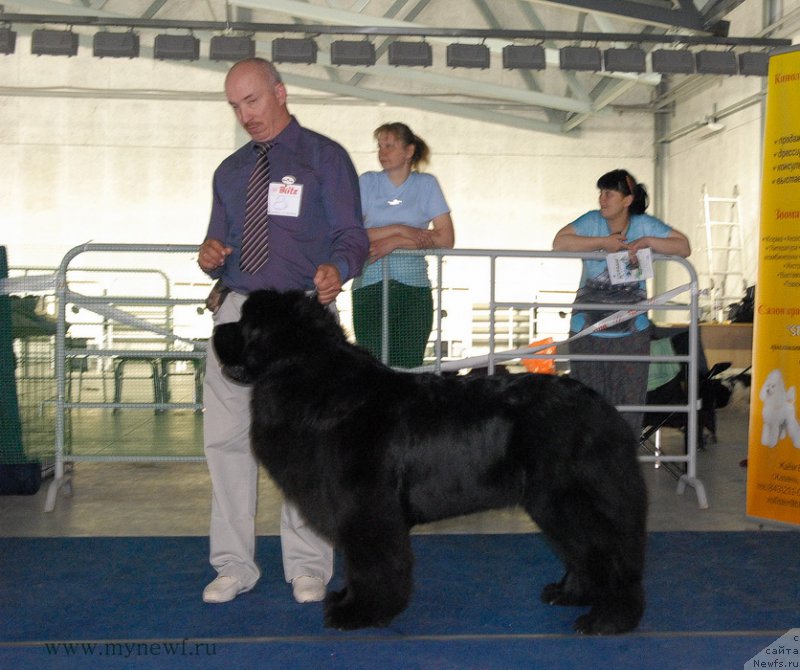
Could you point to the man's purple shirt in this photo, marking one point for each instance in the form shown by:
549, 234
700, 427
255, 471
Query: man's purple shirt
328, 229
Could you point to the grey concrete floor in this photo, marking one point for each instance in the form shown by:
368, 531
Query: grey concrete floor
173, 498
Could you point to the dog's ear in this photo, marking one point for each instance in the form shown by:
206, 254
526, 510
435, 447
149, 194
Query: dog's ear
304, 308
229, 343
314, 320
277, 325
261, 306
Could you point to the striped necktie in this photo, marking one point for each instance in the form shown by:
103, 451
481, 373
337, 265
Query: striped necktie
255, 236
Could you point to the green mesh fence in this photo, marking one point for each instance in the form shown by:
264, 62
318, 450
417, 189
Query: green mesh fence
23, 433
26, 433
36, 392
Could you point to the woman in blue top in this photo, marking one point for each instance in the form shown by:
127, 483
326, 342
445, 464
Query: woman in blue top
403, 209
619, 225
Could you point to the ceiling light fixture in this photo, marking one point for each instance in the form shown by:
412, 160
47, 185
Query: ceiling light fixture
579, 58
410, 54
468, 55
176, 47
231, 47
54, 42
673, 61
352, 52
294, 50
754, 63
716, 62
523, 57
106, 44
8, 40
624, 60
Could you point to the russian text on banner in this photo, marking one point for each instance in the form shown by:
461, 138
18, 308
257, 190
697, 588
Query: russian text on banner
773, 476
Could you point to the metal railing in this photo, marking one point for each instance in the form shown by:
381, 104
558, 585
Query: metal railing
498, 291
690, 308
108, 307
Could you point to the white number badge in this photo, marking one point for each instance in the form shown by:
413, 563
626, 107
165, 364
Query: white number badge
285, 199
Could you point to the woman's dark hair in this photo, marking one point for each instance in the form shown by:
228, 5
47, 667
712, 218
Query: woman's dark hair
624, 182
403, 133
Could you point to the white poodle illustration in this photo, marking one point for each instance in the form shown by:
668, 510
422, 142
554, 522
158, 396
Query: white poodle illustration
778, 413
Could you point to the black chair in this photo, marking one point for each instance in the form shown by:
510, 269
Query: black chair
712, 392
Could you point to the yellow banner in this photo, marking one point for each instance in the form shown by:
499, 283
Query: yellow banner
773, 474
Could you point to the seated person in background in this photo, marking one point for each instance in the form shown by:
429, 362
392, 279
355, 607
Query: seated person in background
620, 224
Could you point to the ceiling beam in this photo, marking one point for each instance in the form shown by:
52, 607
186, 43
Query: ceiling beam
527, 99
393, 11
717, 9
528, 78
495, 39
637, 11
601, 101
610, 88
426, 104
477, 88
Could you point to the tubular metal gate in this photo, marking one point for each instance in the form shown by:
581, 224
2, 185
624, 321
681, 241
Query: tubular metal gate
489, 307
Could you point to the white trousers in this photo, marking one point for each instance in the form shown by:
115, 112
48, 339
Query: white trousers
234, 482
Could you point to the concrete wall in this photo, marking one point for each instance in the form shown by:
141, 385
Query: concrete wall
85, 166
727, 160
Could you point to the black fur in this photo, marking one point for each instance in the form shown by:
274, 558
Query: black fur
367, 452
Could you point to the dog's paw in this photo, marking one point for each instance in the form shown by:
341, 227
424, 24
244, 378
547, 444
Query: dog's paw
334, 597
603, 622
557, 594
343, 614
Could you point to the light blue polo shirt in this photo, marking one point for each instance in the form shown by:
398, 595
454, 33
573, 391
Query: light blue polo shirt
417, 201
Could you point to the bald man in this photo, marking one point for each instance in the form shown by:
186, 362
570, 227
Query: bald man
314, 241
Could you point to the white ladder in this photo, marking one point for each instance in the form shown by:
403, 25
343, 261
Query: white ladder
723, 276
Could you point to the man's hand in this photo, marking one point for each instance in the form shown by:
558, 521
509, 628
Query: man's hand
212, 255
328, 283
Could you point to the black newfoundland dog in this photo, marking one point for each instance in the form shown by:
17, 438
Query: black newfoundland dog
366, 452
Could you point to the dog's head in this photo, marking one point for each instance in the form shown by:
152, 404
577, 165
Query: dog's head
274, 326
774, 390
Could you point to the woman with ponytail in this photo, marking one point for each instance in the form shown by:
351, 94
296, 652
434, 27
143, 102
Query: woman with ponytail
403, 209
619, 225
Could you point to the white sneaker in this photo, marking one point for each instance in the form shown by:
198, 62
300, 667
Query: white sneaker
308, 589
222, 590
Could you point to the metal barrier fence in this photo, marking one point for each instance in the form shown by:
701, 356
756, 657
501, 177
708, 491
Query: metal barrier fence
101, 333
489, 306
128, 316
527, 281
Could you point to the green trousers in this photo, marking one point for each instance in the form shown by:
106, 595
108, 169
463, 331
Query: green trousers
410, 321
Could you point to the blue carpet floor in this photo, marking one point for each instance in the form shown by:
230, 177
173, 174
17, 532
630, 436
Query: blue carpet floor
714, 601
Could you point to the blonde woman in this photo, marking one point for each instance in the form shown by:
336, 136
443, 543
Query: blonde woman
403, 209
